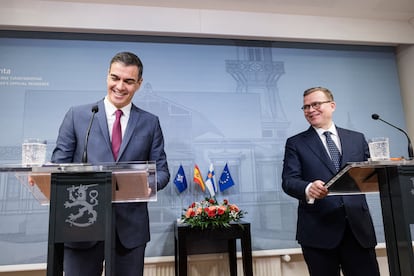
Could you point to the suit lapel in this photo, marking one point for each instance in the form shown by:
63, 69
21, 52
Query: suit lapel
346, 144
129, 131
103, 125
315, 144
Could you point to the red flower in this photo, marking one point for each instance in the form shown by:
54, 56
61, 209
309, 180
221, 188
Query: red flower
210, 213
234, 208
221, 210
199, 211
190, 213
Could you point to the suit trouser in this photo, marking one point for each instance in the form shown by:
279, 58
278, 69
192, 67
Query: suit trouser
349, 256
89, 261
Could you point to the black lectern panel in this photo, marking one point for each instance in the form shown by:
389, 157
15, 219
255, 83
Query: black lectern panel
80, 210
406, 180
81, 197
395, 183
397, 204
80, 202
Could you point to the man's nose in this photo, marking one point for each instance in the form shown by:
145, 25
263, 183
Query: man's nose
120, 85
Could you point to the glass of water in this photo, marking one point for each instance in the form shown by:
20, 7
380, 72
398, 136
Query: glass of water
379, 148
33, 152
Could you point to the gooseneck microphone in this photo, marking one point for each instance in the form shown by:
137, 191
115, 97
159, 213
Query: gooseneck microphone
410, 147
94, 110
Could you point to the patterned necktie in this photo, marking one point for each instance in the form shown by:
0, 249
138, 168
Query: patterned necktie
116, 134
333, 150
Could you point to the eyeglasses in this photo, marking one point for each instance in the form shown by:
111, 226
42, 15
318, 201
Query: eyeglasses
314, 105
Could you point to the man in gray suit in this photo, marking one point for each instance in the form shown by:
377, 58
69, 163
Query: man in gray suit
335, 232
142, 140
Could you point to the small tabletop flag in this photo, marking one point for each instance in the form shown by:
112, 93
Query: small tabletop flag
180, 180
211, 181
226, 181
198, 179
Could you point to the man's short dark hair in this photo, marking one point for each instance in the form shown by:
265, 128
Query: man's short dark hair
128, 58
326, 91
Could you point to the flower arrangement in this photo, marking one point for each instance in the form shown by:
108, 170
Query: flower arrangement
211, 213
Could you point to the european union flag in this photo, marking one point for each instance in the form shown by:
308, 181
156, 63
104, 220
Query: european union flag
226, 181
180, 181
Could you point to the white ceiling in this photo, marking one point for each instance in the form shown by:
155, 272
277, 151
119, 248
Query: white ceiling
369, 9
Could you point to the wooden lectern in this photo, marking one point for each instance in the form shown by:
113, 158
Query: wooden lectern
394, 180
81, 197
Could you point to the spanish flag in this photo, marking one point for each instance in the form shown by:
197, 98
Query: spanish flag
198, 179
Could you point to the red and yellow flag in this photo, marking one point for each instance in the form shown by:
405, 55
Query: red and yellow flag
198, 179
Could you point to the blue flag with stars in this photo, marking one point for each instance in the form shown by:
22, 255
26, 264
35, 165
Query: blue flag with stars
180, 181
226, 181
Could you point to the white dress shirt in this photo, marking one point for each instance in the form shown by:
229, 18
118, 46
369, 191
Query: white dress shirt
110, 116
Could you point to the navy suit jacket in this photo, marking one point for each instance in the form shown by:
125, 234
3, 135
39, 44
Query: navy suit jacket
322, 224
143, 141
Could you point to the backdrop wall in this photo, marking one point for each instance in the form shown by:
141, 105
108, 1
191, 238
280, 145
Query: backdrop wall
219, 101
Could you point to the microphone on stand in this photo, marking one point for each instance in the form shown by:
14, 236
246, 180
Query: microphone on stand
410, 147
94, 110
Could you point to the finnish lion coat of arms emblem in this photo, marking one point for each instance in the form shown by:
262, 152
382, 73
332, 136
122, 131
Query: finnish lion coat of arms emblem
82, 199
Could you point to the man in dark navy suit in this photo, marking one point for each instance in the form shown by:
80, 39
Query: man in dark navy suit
335, 232
142, 140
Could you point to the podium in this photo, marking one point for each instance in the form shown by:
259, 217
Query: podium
394, 180
80, 198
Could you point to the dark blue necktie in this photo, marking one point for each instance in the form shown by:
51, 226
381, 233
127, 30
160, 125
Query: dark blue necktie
333, 150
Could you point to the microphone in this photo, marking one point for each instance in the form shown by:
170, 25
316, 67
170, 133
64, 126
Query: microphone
410, 147
94, 110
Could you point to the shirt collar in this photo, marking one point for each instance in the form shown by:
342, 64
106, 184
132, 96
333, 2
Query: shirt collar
110, 108
331, 129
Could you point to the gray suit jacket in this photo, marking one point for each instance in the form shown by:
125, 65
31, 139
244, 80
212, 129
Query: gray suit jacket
143, 141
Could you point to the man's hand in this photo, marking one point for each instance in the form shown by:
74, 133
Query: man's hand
31, 181
318, 190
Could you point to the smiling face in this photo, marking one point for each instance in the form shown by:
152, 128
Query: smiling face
319, 109
122, 83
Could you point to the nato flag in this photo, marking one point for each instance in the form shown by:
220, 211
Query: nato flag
180, 181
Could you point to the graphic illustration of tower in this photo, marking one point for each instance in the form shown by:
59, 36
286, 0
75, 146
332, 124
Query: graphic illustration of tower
256, 72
